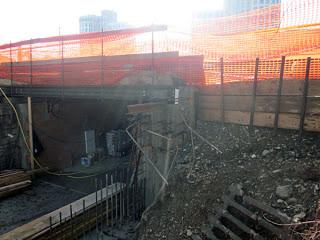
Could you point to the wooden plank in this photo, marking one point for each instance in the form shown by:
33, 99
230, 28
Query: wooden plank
314, 88
312, 123
210, 102
265, 87
144, 107
42, 224
262, 119
11, 179
9, 173
288, 104
13, 188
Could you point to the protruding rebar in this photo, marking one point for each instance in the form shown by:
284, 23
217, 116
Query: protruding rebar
107, 201
97, 230
127, 194
71, 221
101, 207
50, 223
122, 196
116, 196
83, 218
134, 199
112, 218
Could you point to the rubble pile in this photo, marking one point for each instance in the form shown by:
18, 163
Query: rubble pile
277, 168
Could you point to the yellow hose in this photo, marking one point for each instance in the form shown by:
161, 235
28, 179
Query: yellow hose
28, 147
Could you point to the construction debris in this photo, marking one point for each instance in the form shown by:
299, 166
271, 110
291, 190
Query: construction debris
12, 181
243, 217
191, 200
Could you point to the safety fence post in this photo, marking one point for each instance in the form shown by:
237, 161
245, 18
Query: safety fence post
30, 60
278, 101
304, 98
254, 94
222, 90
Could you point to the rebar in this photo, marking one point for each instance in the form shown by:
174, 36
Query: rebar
107, 201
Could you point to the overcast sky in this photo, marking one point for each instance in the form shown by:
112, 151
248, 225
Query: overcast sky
25, 19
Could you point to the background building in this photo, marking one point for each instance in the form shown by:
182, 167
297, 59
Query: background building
232, 7
237, 6
108, 16
89, 23
106, 22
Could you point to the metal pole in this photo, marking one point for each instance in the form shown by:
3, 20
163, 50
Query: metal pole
304, 98
278, 102
30, 59
62, 66
254, 92
152, 56
30, 133
222, 89
11, 67
196, 108
102, 64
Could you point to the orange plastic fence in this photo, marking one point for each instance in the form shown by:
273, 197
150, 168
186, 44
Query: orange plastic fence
290, 29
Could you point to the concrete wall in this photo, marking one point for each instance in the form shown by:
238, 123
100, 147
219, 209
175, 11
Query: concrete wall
168, 122
60, 126
10, 154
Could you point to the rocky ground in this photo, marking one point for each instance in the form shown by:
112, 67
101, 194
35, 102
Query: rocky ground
275, 168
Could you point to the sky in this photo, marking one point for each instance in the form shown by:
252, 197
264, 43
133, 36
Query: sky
25, 19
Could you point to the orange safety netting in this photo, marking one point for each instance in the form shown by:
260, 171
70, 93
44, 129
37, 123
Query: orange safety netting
290, 29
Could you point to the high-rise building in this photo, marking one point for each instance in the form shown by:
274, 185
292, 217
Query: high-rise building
108, 16
106, 22
90, 23
232, 7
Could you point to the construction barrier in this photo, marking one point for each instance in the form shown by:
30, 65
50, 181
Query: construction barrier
290, 29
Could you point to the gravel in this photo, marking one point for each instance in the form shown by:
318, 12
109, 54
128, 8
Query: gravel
262, 162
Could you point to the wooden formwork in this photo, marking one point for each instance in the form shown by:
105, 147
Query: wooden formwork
289, 104
238, 102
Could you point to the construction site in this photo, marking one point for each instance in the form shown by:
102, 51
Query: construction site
154, 132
